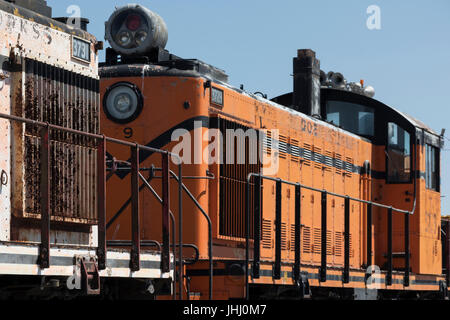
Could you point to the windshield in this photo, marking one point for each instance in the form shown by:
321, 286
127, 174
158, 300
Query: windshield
352, 117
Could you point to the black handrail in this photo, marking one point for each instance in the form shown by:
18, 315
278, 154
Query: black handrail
172, 219
127, 243
324, 193
102, 246
197, 254
208, 220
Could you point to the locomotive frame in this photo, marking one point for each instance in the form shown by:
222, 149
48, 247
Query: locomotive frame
258, 247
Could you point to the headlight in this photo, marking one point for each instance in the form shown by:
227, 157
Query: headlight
124, 39
122, 102
140, 37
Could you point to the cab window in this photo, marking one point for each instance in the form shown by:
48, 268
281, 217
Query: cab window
352, 117
432, 168
398, 154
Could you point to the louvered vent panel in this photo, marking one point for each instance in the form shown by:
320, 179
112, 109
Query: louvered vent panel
306, 240
329, 243
307, 154
70, 100
318, 158
338, 163
267, 142
266, 234
283, 146
295, 150
284, 237
292, 237
348, 166
339, 244
328, 160
317, 239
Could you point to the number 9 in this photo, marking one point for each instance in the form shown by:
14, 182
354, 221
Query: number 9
128, 133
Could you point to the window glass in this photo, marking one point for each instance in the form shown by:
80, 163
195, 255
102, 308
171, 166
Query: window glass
352, 117
398, 154
432, 168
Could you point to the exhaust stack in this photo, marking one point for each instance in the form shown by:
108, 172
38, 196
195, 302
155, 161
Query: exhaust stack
306, 98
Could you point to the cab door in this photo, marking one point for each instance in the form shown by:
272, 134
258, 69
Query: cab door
399, 188
399, 167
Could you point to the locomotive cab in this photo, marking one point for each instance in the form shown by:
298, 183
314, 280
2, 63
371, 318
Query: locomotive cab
403, 168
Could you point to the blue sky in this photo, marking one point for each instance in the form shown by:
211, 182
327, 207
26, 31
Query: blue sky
407, 61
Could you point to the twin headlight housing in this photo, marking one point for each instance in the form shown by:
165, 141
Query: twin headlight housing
134, 29
122, 102
131, 30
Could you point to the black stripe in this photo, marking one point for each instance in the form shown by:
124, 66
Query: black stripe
311, 276
164, 138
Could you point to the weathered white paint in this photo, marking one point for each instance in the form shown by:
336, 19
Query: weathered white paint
5, 153
18, 259
33, 40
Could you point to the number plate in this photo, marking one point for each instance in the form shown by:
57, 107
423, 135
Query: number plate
217, 96
81, 49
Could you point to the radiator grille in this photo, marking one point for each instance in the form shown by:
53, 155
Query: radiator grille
70, 100
233, 179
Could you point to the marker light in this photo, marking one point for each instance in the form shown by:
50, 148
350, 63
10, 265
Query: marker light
133, 22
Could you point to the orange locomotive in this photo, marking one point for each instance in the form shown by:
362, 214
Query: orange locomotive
323, 191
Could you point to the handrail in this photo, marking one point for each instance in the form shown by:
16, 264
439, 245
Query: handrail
324, 194
147, 184
208, 220
172, 218
197, 254
328, 192
44, 254
87, 134
127, 243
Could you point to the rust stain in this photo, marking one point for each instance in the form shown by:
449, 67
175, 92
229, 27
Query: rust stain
56, 27
17, 13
